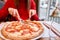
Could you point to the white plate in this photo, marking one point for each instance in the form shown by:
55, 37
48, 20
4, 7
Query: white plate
38, 37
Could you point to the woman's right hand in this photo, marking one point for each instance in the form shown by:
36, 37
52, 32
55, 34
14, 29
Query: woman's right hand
14, 13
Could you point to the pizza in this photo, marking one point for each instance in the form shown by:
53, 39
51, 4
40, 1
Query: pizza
26, 30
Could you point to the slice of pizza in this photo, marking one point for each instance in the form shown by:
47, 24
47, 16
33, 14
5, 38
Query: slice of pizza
16, 30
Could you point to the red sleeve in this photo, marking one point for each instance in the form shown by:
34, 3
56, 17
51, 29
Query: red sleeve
4, 11
32, 4
35, 17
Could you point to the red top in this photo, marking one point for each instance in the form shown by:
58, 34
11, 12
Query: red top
22, 9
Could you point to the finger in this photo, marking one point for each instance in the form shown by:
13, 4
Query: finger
10, 11
18, 16
14, 13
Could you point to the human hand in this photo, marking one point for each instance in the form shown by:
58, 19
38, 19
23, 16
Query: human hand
32, 12
14, 13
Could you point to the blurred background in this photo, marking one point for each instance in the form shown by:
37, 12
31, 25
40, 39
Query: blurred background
49, 10
46, 9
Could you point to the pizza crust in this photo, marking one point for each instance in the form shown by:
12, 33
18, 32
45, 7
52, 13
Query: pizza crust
17, 36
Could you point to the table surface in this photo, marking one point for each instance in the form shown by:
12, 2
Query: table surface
45, 35
47, 38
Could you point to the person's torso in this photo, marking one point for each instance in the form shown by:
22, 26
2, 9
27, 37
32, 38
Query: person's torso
22, 9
